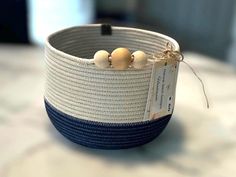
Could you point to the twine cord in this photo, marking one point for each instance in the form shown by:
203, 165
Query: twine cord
202, 83
170, 53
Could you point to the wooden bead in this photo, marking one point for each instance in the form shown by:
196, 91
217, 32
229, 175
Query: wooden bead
140, 59
101, 59
120, 58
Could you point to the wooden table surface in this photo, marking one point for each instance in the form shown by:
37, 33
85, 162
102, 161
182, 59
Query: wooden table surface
197, 142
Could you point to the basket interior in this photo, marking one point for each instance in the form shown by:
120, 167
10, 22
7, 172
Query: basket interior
83, 42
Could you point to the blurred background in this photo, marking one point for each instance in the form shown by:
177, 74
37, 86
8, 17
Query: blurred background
205, 26
197, 142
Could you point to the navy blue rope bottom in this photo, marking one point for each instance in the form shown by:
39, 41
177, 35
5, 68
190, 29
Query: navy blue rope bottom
105, 135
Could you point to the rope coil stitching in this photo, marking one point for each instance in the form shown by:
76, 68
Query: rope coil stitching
86, 90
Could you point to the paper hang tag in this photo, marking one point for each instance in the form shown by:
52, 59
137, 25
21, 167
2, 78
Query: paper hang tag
161, 96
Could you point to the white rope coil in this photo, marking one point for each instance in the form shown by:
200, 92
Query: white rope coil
77, 87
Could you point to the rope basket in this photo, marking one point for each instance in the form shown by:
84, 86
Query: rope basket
101, 108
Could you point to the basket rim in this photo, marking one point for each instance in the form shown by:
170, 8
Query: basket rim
90, 60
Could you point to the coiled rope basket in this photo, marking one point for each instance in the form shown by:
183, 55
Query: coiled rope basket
101, 108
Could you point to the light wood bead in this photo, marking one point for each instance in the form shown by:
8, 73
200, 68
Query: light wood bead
120, 58
101, 59
140, 59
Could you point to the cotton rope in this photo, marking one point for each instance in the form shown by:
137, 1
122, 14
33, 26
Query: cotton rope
78, 88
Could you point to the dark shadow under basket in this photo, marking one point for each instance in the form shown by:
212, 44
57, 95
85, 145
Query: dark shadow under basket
105, 135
